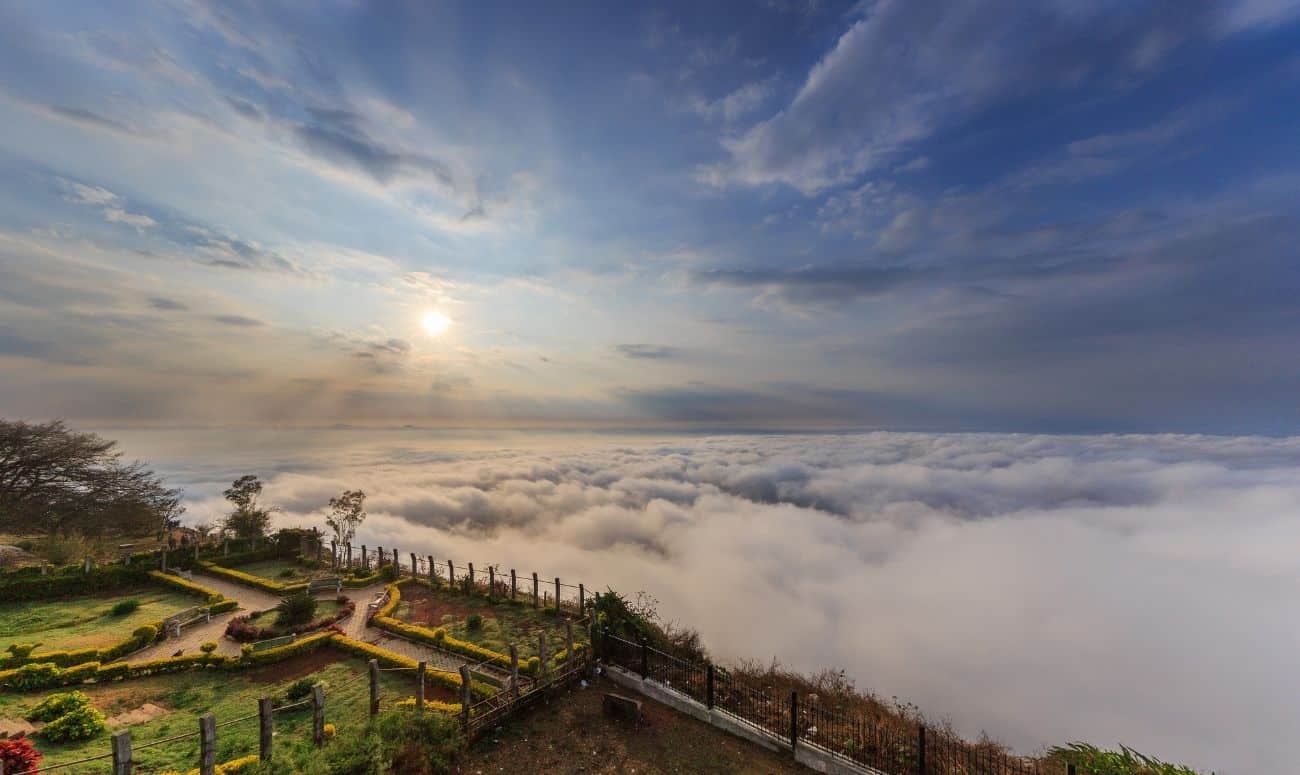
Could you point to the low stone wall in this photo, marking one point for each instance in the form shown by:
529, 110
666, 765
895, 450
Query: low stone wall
806, 754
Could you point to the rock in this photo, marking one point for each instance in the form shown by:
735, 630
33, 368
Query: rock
619, 706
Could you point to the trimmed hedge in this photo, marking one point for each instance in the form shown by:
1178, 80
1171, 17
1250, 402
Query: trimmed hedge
188, 587
248, 579
434, 705
27, 588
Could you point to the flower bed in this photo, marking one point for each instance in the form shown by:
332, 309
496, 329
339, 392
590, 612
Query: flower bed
245, 629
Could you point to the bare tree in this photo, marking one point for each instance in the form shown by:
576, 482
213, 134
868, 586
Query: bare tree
54, 480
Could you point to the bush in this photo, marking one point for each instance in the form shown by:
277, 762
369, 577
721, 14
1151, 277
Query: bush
56, 705
330, 731
296, 609
124, 607
145, 633
80, 723
62, 550
474, 622
287, 573
19, 755
22, 650
34, 675
423, 743
389, 573
208, 647
1091, 760
20, 588
299, 690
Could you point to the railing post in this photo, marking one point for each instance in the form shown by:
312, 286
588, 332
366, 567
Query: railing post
318, 715
794, 719
920, 750
514, 671
557, 594
582, 600
207, 744
122, 752
466, 695
433, 571
536, 604
645, 660
365, 558
415, 572
514, 585
470, 566
264, 729
451, 575
420, 670
708, 686
374, 688
492, 582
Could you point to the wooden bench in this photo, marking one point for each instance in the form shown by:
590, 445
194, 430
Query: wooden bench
173, 624
334, 584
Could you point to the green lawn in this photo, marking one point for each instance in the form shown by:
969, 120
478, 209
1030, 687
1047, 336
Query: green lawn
230, 696
503, 623
283, 571
85, 622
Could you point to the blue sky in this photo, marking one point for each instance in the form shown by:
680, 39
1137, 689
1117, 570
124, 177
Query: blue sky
1057, 216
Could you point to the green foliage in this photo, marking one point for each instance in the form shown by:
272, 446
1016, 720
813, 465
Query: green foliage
208, 647
474, 622
1091, 760
389, 572
296, 609
80, 723
21, 650
419, 743
145, 633
347, 512
56, 705
17, 754
34, 675
124, 607
299, 690
16, 588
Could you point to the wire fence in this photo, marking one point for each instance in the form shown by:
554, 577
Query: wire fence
885, 745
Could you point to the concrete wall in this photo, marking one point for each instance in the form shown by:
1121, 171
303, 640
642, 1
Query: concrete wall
808, 755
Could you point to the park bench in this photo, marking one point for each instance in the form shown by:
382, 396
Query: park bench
271, 643
376, 604
334, 584
173, 624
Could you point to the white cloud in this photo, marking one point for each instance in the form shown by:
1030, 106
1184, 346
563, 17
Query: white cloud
1120, 589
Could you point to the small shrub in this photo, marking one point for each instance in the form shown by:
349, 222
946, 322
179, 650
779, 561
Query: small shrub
56, 705
208, 647
474, 622
287, 573
19, 755
124, 607
388, 573
145, 633
22, 650
330, 731
296, 609
299, 690
81, 723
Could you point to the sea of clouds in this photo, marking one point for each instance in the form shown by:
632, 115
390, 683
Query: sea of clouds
1119, 589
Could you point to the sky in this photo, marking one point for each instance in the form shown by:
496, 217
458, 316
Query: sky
1045, 217
1118, 589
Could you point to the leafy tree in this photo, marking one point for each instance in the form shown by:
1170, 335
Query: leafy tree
347, 512
249, 519
57, 481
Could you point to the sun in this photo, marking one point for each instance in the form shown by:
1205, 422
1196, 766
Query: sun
435, 323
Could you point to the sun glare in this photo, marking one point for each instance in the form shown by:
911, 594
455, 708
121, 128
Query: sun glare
435, 323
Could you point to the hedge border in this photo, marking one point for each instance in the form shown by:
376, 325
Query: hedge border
249, 580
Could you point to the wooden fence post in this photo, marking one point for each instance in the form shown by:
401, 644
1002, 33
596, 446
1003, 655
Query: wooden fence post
568, 642
348, 562
466, 696
318, 715
380, 561
557, 594
415, 572
365, 558
514, 671
582, 600
122, 752
433, 571
492, 581
708, 686
514, 585
334, 554
207, 744
470, 566
794, 719
920, 750
85, 564
264, 729
374, 688
536, 604
451, 574
420, 670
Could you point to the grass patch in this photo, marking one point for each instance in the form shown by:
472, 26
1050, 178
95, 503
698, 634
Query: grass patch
497, 626
186, 696
282, 571
86, 622
270, 618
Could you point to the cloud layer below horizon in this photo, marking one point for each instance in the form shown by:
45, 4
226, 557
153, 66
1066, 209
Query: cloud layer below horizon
1118, 589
